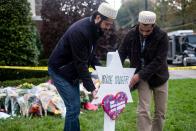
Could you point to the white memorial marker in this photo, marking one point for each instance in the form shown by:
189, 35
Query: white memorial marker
114, 90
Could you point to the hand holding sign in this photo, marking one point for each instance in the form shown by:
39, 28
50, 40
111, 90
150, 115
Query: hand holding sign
94, 94
134, 80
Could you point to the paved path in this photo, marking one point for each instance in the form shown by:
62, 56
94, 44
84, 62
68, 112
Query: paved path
181, 74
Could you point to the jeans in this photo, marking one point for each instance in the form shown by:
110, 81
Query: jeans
71, 97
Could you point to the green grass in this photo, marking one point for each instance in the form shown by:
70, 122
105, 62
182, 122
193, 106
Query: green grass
181, 114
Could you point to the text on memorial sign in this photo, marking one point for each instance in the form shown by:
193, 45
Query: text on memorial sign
117, 79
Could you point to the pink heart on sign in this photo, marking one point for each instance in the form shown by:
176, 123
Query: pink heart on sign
114, 105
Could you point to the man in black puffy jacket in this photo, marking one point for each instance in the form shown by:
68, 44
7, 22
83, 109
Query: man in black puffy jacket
73, 55
146, 46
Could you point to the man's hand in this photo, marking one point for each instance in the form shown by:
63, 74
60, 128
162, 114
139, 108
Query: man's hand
94, 93
135, 79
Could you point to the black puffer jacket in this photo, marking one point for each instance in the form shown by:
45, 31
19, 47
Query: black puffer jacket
155, 69
74, 52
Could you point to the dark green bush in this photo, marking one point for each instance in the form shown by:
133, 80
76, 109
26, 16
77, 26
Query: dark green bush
43, 62
18, 43
34, 81
12, 74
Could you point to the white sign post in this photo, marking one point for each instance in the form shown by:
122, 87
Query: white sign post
114, 79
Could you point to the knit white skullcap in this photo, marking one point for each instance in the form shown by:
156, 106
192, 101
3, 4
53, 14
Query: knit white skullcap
147, 17
107, 10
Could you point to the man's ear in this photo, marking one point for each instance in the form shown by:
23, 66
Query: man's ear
97, 19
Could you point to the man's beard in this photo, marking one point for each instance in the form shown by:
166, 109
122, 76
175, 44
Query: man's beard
100, 30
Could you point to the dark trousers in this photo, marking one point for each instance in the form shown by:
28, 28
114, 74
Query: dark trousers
71, 97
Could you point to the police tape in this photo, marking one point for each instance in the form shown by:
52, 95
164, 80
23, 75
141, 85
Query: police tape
38, 68
183, 68
45, 68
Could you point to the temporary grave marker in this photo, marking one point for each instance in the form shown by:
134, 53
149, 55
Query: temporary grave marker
114, 92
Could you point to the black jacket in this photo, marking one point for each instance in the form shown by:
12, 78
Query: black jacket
155, 69
74, 52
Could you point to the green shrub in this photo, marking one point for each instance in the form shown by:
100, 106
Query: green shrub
43, 62
12, 74
34, 81
18, 43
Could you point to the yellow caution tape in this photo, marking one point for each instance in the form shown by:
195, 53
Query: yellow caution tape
45, 68
183, 68
40, 68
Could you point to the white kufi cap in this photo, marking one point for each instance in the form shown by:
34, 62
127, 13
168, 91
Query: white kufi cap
107, 10
147, 17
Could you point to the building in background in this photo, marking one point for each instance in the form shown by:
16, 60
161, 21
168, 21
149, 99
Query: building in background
36, 6
35, 9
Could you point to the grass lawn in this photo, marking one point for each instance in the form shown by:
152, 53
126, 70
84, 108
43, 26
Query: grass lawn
181, 114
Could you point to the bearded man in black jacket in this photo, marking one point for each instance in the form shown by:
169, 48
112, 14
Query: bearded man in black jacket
73, 55
146, 46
